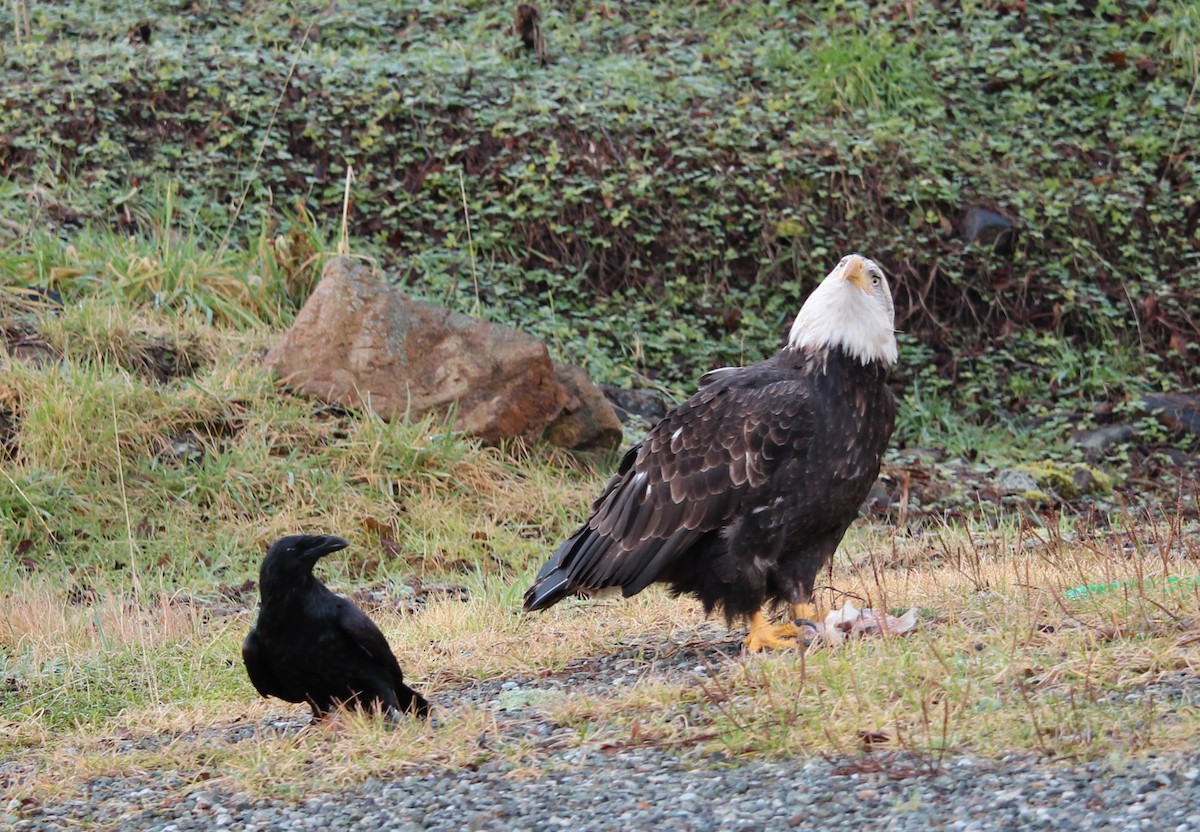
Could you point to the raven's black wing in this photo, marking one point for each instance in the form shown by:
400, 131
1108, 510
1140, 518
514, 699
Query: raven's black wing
362, 632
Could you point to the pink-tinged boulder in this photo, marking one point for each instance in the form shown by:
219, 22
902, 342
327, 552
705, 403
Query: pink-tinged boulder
360, 342
588, 422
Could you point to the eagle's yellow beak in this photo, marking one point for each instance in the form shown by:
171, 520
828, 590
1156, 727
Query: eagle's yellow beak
855, 271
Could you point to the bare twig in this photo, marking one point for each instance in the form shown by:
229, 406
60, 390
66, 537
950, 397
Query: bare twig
21, 25
343, 246
462, 189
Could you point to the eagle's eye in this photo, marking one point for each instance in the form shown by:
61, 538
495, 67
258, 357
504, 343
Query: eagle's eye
875, 280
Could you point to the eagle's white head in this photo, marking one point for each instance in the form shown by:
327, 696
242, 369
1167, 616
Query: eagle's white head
851, 309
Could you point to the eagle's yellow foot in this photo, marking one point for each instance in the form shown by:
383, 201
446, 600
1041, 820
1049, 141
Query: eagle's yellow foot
765, 635
809, 620
808, 612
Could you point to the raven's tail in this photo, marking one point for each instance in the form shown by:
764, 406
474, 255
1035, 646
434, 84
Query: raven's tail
411, 702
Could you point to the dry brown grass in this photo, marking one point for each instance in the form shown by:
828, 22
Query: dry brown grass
1003, 662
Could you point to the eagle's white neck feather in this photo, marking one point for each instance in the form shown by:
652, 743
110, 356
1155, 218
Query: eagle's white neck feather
840, 314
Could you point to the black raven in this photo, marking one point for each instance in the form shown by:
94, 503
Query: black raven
310, 645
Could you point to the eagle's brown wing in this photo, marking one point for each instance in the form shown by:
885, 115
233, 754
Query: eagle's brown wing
705, 464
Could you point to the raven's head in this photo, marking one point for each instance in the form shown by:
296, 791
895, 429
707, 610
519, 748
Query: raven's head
294, 556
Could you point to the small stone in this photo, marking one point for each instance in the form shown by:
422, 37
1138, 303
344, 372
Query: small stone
1149, 786
878, 501
987, 228
1082, 479
1095, 443
642, 402
1178, 411
1012, 481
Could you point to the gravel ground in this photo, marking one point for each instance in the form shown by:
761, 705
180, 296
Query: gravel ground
648, 789
589, 787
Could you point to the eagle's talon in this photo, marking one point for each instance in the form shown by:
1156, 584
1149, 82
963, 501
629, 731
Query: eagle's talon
787, 630
808, 611
811, 632
760, 641
776, 637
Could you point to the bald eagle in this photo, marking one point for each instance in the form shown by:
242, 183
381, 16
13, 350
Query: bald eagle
741, 494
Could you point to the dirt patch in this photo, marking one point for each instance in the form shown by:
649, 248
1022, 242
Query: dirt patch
161, 359
23, 343
8, 433
191, 443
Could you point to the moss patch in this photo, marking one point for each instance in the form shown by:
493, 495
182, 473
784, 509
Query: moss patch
1069, 480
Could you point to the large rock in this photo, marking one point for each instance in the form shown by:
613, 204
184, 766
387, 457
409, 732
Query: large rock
1178, 411
359, 342
588, 422
640, 402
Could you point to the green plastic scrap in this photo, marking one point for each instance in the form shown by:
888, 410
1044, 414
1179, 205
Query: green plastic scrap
1099, 589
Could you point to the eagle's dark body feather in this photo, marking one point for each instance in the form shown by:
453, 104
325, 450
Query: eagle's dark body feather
310, 645
741, 494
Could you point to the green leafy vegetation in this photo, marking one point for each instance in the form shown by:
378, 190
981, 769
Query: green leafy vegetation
719, 158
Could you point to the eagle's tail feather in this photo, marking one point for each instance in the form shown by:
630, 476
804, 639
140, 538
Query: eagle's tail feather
547, 591
554, 580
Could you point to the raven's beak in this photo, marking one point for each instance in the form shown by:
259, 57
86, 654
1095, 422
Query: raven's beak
324, 544
854, 271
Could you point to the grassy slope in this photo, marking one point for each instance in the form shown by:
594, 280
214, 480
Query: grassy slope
132, 509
